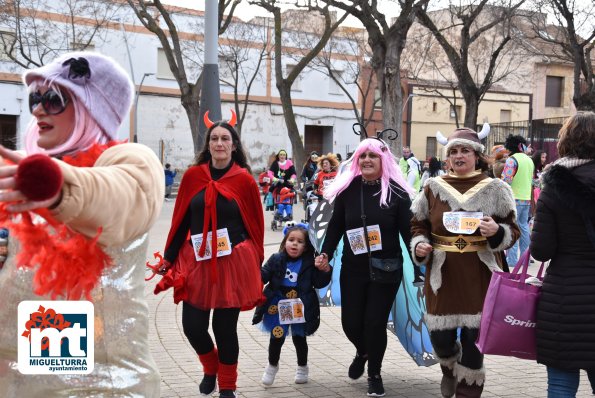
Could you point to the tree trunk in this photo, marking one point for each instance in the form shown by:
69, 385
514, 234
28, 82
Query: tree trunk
192, 108
471, 110
299, 153
392, 98
585, 102
386, 63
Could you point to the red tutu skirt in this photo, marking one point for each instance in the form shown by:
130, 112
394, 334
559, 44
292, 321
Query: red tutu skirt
238, 283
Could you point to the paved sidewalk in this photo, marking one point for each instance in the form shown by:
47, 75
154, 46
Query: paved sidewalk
330, 354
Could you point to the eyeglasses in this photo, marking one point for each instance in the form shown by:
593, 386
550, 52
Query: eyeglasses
51, 102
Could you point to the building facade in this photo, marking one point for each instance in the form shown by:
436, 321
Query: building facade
323, 113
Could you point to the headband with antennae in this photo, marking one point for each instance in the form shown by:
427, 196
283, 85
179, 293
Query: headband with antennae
362, 129
388, 132
231, 122
391, 134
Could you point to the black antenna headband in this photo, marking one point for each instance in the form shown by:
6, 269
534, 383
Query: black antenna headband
391, 134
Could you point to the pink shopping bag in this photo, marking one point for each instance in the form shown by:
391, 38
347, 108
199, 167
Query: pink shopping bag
508, 319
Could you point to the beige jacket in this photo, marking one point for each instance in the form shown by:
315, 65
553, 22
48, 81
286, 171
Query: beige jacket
123, 193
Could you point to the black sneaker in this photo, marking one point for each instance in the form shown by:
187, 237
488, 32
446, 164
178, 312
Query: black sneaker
227, 394
356, 369
375, 386
207, 385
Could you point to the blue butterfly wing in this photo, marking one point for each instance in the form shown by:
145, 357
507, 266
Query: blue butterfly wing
407, 321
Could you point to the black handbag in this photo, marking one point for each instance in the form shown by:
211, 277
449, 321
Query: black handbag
382, 270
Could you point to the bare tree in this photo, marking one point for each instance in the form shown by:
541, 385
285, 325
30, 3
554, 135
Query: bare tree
387, 42
307, 53
349, 49
573, 20
34, 32
467, 29
240, 60
157, 18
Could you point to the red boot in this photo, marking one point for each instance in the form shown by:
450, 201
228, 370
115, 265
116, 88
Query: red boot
227, 378
210, 366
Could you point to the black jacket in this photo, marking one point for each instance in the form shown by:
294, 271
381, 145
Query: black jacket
564, 231
309, 279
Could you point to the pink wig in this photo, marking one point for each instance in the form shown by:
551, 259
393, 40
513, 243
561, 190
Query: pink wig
390, 171
86, 131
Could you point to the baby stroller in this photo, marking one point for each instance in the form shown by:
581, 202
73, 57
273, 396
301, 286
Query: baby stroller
310, 202
283, 207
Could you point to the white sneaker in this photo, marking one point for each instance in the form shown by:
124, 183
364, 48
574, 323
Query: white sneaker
268, 377
301, 375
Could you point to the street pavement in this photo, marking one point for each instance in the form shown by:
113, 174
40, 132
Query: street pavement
330, 353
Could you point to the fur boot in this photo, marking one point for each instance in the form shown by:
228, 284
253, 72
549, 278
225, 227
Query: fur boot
469, 381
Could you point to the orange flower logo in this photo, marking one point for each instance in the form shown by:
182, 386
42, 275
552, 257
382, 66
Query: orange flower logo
43, 319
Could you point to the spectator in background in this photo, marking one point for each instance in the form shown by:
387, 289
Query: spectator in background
564, 232
434, 170
328, 165
282, 172
540, 163
169, 180
499, 155
264, 181
411, 169
310, 167
518, 173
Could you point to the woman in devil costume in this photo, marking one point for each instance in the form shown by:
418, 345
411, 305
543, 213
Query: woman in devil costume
217, 196
80, 231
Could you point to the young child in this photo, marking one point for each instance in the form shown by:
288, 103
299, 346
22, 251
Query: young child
291, 274
169, 180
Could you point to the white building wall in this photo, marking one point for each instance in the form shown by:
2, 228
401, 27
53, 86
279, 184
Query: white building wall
162, 122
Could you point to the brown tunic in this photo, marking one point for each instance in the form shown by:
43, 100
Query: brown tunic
456, 283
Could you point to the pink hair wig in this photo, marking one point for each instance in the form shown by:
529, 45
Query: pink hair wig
390, 171
86, 131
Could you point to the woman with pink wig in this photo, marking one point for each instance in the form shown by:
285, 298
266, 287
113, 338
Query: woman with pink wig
373, 183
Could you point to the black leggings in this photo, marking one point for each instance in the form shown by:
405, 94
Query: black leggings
365, 307
225, 329
301, 349
444, 344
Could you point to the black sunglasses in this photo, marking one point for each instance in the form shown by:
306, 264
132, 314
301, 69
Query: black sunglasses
51, 102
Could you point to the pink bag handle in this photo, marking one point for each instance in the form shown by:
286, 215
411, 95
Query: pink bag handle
523, 266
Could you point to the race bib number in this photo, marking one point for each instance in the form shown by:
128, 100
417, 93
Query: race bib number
223, 244
266, 180
326, 183
461, 222
356, 239
291, 311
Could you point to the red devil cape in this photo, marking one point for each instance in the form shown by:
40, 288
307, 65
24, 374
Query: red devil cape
237, 184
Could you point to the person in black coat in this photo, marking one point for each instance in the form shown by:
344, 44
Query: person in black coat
310, 167
291, 274
564, 231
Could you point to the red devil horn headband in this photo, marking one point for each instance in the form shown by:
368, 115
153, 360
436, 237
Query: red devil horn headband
231, 121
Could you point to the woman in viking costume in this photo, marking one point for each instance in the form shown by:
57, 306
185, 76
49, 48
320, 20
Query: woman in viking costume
461, 224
